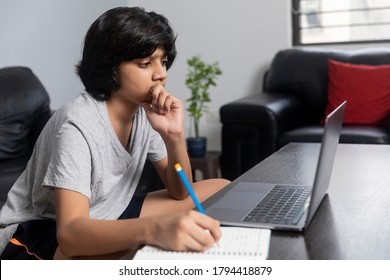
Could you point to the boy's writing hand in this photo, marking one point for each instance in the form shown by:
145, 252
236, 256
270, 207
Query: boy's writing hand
188, 231
164, 112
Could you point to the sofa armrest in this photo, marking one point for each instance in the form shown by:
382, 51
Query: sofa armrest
278, 110
250, 128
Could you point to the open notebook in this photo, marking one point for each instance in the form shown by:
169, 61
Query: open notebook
236, 243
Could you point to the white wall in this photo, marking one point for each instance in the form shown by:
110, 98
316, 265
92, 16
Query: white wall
242, 35
47, 36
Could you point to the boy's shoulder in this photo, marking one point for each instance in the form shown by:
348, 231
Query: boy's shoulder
82, 109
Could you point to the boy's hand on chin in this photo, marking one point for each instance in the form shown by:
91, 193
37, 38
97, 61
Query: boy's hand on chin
164, 112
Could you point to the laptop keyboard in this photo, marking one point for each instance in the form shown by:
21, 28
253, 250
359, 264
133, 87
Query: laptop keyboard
282, 205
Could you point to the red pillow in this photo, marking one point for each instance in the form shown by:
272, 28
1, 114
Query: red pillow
366, 89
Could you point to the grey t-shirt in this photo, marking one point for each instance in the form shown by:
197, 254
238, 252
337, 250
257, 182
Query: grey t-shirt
79, 150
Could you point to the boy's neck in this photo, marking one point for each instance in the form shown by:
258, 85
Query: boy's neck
121, 115
121, 111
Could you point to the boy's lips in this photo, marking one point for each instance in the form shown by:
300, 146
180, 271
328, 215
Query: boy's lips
149, 95
151, 91
160, 84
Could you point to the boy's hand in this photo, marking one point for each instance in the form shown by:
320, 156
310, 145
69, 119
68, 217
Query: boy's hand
188, 231
164, 112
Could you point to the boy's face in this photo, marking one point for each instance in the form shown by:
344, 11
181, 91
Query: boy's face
139, 76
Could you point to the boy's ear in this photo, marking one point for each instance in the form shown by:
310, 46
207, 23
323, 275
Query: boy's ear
115, 77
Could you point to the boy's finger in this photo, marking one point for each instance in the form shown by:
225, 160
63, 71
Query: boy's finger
209, 224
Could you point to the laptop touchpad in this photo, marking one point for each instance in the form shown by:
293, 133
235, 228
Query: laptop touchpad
239, 200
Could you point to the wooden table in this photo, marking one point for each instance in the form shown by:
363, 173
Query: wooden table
353, 221
207, 165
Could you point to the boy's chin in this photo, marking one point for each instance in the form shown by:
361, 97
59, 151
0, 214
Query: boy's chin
147, 99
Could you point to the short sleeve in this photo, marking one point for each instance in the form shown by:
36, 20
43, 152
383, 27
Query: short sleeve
70, 161
157, 149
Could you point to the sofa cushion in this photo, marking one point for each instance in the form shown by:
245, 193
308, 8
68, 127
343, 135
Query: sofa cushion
366, 89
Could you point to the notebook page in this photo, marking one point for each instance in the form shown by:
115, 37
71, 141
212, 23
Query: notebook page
235, 243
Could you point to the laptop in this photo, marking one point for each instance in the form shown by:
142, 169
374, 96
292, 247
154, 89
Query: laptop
281, 206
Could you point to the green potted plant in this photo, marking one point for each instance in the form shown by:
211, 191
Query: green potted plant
200, 77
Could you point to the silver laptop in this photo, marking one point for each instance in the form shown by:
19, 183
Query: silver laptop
281, 206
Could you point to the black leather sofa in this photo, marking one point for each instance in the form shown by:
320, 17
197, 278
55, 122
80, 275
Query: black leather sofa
290, 108
24, 111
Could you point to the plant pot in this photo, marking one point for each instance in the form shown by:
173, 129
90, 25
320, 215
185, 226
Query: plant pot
196, 146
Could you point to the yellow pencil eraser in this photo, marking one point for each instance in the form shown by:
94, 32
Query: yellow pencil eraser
177, 167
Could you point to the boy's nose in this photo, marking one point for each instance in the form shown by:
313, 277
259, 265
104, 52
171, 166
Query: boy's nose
160, 73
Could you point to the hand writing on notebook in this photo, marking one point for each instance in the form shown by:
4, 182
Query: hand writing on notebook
185, 231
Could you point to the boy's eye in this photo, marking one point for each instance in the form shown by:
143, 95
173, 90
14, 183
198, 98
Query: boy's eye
144, 64
164, 62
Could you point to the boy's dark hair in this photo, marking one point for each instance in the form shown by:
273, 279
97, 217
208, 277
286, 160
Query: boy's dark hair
121, 34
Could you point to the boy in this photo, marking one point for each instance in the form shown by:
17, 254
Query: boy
76, 196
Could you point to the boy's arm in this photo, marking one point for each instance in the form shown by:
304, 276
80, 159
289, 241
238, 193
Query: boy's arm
165, 114
79, 235
177, 153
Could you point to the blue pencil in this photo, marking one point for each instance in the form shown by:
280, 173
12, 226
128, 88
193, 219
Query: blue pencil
189, 188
